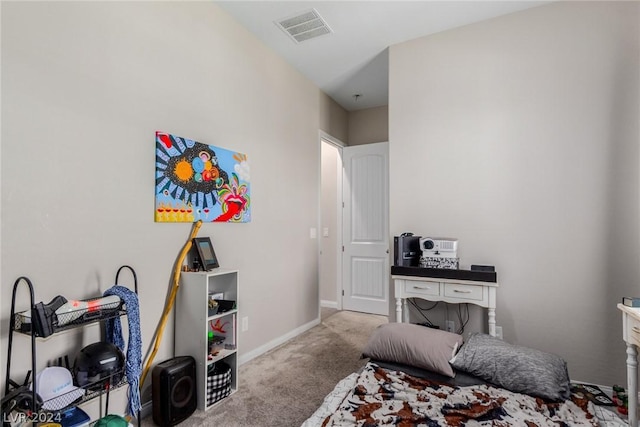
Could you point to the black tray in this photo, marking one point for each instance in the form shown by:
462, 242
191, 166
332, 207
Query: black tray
445, 273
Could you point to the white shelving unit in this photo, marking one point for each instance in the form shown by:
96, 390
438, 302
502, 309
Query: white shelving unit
193, 324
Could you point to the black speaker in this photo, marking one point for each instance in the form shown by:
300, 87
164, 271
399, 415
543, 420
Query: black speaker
406, 250
173, 391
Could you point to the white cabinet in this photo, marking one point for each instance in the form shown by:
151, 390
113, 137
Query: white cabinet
453, 291
194, 326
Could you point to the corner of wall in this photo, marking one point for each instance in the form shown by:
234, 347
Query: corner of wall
334, 119
369, 125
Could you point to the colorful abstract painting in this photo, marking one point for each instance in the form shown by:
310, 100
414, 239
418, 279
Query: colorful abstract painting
196, 181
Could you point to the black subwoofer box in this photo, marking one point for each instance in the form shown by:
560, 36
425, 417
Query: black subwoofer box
174, 393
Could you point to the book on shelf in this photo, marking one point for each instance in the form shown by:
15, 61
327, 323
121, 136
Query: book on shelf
592, 393
631, 301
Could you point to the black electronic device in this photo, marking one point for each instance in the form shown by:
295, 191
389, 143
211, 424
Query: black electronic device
406, 250
225, 305
203, 254
174, 390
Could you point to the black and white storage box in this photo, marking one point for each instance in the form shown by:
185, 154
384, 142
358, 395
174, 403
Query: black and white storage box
218, 382
439, 262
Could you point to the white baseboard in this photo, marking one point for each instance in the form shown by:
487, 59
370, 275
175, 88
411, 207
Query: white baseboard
329, 304
276, 342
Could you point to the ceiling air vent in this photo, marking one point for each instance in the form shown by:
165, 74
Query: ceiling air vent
304, 26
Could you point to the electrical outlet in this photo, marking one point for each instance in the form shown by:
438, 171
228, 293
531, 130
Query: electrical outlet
245, 324
450, 326
499, 332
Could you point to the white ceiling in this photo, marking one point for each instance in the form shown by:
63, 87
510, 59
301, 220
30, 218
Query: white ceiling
354, 58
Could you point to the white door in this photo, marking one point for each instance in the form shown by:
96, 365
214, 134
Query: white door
365, 237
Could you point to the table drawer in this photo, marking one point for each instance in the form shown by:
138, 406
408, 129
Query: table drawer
633, 331
454, 290
421, 288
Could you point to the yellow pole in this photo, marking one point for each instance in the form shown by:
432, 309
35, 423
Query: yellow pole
172, 297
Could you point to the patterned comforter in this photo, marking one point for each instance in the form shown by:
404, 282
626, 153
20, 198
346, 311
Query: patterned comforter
391, 398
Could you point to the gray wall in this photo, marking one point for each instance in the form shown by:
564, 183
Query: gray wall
369, 125
85, 86
519, 136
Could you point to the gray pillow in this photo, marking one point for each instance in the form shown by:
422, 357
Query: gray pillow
516, 368
414, 345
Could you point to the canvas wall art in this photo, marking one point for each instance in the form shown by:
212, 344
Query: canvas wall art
196, 181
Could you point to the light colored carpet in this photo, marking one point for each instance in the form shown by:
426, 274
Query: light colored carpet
284, 386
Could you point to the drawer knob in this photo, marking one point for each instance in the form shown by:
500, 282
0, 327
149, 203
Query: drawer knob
421, 287
636, 329
461, 291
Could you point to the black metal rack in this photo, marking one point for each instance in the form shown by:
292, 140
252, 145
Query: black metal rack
24, 323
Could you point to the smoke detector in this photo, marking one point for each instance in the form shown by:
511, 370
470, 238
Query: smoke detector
304, 26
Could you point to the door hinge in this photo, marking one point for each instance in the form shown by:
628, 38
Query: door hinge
343, 292
342, 248
343, 204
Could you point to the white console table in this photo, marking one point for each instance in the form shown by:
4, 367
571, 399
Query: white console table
454, 291
631, 336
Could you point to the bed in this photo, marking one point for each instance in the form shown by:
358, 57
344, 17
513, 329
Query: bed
411, 379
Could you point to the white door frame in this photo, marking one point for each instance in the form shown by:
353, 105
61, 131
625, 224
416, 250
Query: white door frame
325, 137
